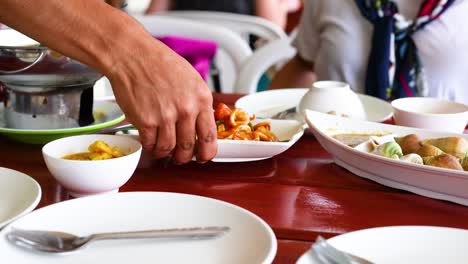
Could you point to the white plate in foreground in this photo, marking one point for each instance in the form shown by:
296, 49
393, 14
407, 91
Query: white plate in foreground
434, 182
250, 239
268, 103
19, 194
403, 244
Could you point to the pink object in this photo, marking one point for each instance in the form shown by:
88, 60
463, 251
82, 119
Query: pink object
199, 53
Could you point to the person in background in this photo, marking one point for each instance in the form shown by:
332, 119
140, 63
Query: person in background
273, 10
387, 49
159, 92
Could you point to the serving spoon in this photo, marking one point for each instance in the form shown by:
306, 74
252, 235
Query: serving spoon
60, 242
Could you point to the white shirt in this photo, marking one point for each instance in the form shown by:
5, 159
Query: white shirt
337, 39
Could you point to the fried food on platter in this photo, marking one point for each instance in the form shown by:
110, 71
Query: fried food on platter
237, 124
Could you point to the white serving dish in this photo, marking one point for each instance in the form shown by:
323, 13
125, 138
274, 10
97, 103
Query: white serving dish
434, 182
287, 131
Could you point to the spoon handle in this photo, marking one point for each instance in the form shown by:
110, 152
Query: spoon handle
176, 233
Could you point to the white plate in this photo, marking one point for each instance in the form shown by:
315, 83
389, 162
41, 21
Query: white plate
19, 194
403, 244
250, 239
268, 103
289, 131
434, 182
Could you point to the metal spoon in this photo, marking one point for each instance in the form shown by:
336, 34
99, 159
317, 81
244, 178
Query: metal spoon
60, 242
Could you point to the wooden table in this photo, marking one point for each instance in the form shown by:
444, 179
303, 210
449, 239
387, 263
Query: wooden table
300, 193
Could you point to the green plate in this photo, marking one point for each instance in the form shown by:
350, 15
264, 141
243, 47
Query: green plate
106, 114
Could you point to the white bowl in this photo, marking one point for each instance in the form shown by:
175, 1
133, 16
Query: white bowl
82, 178
430, 113
332, 96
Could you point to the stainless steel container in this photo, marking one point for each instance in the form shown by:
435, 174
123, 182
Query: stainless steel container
44, 89
48, 110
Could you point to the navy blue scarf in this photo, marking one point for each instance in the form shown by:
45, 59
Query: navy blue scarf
408, 79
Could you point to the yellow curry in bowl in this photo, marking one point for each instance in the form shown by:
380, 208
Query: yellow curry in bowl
98, 150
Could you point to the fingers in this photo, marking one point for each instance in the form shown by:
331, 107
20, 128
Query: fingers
166, 140
148, 136
185, 139
206, 132
182, 138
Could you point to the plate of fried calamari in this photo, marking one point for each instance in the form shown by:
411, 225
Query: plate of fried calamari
242, 137
425, 162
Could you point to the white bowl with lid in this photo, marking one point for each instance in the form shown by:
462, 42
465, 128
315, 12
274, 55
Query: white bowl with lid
332, 97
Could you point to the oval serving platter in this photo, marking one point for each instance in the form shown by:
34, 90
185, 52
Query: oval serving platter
429, 181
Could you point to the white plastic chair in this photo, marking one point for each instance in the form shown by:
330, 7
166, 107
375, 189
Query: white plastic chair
233, 51
242, 24
230, 45
273, 53
137, 7
227, 40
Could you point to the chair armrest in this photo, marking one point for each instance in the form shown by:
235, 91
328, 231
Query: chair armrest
259, 62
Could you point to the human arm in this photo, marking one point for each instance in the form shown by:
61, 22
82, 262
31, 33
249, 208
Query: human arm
116, 3
274, 10
158, 6
295, 73
299, 71
159, 92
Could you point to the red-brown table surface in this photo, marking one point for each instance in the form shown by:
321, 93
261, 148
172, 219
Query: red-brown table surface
300, 193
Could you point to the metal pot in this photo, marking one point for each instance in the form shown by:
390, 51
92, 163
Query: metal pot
44, 89
48, 110
32, 67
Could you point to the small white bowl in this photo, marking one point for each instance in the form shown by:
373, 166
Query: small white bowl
82, 177
332, 96
430, 113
